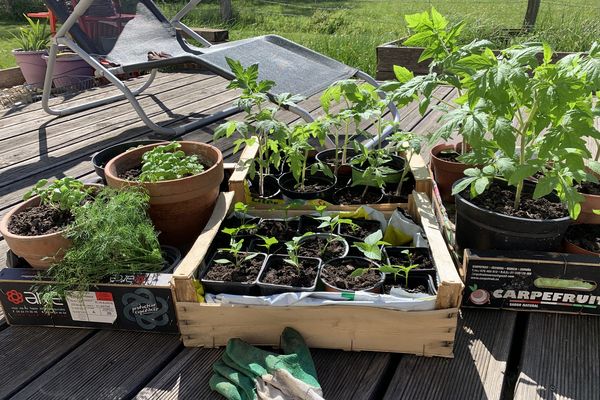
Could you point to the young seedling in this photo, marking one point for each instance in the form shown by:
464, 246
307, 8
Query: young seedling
375, 171
371, 246
242, 210
65, 194
408, 144
393, 269
168, 162
330, 223
268, 242
235, 249
292, 247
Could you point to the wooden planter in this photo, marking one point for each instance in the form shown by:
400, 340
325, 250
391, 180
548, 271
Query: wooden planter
428, 333
237, 184
393, 53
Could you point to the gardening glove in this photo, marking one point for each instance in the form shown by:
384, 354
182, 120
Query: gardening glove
246, 372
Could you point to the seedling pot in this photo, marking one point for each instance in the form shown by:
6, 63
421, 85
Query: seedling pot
326, 157
446, 172
414, 281
262, 228
267, 289
478, 228
396, 251
571, 247
287, 184
356, 191
591, 203
367, 224
101, 158
339, 239
396, 163
39, 251
32, 65
172, 257
215, 287
179, 208
359, 262
271, 187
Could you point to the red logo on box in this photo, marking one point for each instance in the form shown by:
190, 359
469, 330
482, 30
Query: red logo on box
104, 296
15, 297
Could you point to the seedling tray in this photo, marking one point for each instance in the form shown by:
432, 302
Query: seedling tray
428, 333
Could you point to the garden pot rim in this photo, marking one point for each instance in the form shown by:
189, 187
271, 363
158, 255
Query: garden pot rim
348, 188
519, 219
340, 259
143, 149
26, 52
581, 249
24, 205
130, 142
339, 237
393, 156
278, 285
441, 147
205, 270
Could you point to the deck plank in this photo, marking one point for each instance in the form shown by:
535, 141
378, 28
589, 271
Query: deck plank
343, 375
560, 358
110, 365
25, 352
481, 351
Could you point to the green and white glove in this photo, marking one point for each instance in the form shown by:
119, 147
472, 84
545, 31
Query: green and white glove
248, 373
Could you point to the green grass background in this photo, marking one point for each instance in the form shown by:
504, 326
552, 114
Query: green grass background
350, 30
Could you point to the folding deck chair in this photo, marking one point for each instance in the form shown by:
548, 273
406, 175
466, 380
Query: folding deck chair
294, 68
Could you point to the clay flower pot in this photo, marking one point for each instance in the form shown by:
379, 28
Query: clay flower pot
32, 65
39, 251
446, 172
575, 232
591, 203
179, 208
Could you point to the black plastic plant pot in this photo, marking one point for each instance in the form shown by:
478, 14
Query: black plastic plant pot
328, 157
230, 287
279, 228
396, 163
101, 158
352, 195
478, 228
172, 257
337, 238
256, 245
414, 281
366, 227
407, 188
420, 255
288, 184
277, 261
309, 224
357, 262
271, 187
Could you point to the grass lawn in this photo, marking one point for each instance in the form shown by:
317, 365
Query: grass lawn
349, 30
7, 43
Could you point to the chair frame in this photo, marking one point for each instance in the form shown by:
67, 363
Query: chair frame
61, 39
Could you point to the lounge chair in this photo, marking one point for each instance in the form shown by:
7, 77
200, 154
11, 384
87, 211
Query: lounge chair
148, 41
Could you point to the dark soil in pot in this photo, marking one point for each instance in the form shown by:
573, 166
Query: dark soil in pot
539, 224
172, 257
589, 188
271, 188
234, 222
328, 157
101, 158
317, 186
408, 186
39, 220
226, 278
309, 224
277, 272
416, 284
311, 247
585, 236
396, 163
396, 255
449, 155
363, 229
280, 229
336, 274
354, 195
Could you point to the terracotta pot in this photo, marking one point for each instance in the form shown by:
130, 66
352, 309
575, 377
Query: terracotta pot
179, 208
573, 248
39, 251
446, 172
32, 65
587, 216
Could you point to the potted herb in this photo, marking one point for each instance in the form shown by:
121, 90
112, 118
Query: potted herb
35, 229
232, 270
538, 114
182, 179
304, 181
289, 273
111, 235
33, 43
101, 158
259, 125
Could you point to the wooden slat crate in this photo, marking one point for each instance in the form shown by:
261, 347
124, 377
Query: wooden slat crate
428, 333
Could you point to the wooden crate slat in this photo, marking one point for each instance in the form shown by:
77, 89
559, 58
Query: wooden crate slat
110, 365
477, 372
560, 358
26, 352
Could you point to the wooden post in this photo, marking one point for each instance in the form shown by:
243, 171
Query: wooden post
533, 6
226, 10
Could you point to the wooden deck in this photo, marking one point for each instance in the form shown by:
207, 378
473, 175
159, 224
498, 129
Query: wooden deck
499, 355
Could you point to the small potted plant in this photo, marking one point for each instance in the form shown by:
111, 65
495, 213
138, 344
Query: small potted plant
289, 273
339, 275
407, 144
33, 43
232, 270
583, 239
325, 245
35, 229
419, 256
182, 179
101, 158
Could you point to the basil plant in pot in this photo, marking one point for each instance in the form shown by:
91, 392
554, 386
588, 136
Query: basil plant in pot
525, 119
33, 43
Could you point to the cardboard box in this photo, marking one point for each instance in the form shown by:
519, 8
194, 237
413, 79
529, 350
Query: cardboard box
139, 302
532, 281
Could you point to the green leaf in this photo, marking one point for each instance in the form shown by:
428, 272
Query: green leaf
481, 185
545, 186
462, 185
358, 272
521, 172
402, 74
547, 53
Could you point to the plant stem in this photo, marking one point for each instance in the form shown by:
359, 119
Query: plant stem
597, 150
404, 173
337, 150
364, 193
344, 154
523, 143
303, 173
379, 132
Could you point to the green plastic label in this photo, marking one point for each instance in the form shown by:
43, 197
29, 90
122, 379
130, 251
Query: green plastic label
348, 295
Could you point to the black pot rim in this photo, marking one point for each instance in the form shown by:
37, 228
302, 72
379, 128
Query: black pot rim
517, 219
393, 156
379, 284
321, 234
335, 194
208, 264
276, 183
289, 175
266, 263
132, 143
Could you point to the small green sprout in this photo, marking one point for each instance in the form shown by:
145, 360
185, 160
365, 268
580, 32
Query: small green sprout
371, 247
65, 194
268, 241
